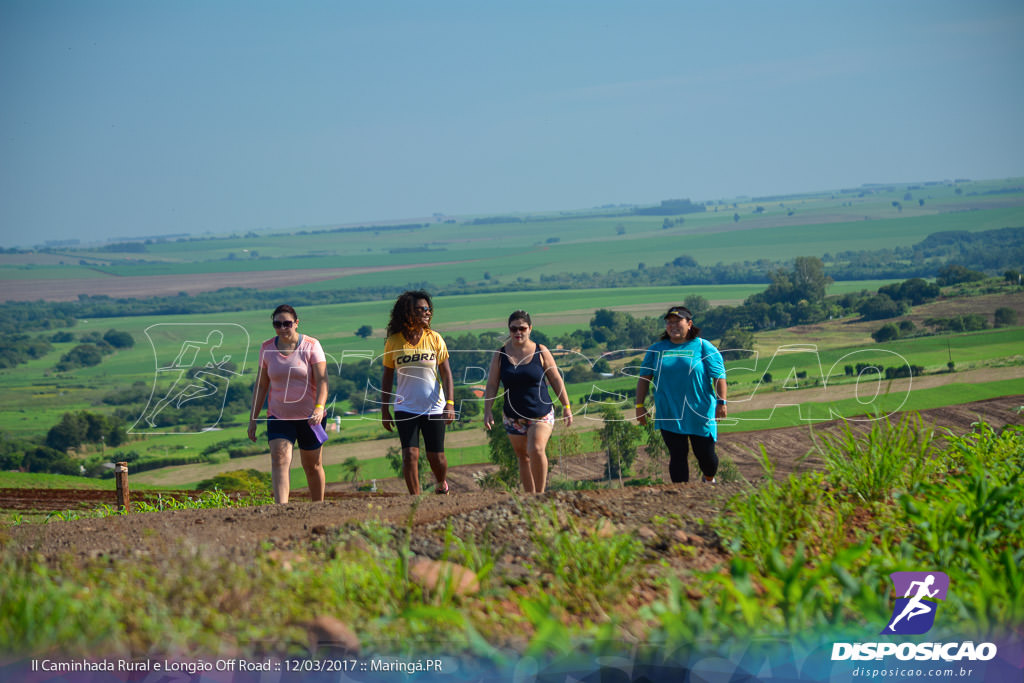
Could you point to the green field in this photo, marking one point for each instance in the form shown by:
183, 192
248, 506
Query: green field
35, 396
547, 244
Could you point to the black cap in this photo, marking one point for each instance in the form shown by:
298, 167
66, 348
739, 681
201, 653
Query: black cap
679, 312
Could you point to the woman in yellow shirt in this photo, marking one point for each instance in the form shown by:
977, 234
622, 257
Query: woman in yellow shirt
417, 381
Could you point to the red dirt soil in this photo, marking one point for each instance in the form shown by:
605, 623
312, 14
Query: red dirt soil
239, 532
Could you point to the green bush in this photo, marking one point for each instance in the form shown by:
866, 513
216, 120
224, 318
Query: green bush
238, 480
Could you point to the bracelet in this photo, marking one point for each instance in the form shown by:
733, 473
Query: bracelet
318, 405
449, 403
639, 405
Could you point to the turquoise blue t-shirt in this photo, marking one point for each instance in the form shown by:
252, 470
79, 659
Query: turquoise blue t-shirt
682, 380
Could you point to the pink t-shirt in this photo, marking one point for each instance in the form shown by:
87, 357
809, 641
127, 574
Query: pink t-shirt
292, 394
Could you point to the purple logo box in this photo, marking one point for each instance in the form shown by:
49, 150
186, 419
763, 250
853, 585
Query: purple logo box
917, 596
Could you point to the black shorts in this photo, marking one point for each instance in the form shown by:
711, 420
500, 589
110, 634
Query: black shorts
292, 431
410, 426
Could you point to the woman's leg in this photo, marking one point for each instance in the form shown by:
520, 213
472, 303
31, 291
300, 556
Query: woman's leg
519, 445
408, 426
280, 463
411, 469
678, 456
536, 449
312, 463
433, 427
707, 458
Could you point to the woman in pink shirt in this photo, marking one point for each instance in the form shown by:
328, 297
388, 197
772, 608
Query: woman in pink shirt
293, 382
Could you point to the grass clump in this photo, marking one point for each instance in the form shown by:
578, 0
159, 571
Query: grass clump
957, 509
888, 458
588, 569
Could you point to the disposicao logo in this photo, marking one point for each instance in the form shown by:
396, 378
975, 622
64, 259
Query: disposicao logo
914, 613
917, 600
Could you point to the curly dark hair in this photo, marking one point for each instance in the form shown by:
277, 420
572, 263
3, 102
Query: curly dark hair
402, 312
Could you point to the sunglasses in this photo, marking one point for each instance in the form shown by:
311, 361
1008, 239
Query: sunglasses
283, 323
421, 309
519, 328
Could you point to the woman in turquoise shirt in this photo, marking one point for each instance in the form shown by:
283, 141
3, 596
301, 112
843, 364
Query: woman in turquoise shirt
688, 377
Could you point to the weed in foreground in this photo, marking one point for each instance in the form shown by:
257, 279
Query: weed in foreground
590, 570
963, 514
781, 514
888, 458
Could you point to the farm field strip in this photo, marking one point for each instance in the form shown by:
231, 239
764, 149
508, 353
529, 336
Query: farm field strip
795, 408
825, 223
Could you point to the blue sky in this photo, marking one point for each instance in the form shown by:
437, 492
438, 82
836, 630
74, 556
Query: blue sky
125, 118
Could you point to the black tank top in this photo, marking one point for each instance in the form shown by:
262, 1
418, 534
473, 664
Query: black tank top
526, 391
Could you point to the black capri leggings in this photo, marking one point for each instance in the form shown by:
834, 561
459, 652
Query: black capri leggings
409, 428
679, 451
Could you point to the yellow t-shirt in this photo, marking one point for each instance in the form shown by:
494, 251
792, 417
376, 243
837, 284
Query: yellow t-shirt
417, 384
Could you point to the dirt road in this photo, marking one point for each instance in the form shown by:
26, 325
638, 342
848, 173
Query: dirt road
239, 532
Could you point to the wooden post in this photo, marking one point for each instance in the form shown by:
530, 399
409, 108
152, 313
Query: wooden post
121, 474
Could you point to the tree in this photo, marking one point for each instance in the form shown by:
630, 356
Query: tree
954, 274
466, 402
886, 332
1005, 317
915, 290
83, 355
565, 443
809, 279
45, 459
364, 332
500, 448
69, 433
736, 342
881, 306
697, 304
656, 449
619, 439
119, 339
350, 469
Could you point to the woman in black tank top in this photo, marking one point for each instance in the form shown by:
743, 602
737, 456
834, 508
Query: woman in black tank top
525, 368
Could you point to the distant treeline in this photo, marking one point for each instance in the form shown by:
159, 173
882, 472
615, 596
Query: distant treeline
366, 228
668, 207
671, 207
991, 251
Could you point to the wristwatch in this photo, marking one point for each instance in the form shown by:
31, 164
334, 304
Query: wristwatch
722, 402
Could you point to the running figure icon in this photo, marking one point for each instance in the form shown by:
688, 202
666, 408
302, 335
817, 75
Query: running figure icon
193, 369
916, 606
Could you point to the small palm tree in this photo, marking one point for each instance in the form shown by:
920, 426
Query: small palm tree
350, 469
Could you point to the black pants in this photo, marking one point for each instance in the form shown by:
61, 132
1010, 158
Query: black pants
679, 451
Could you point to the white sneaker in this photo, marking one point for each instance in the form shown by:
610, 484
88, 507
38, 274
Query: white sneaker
705, 480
